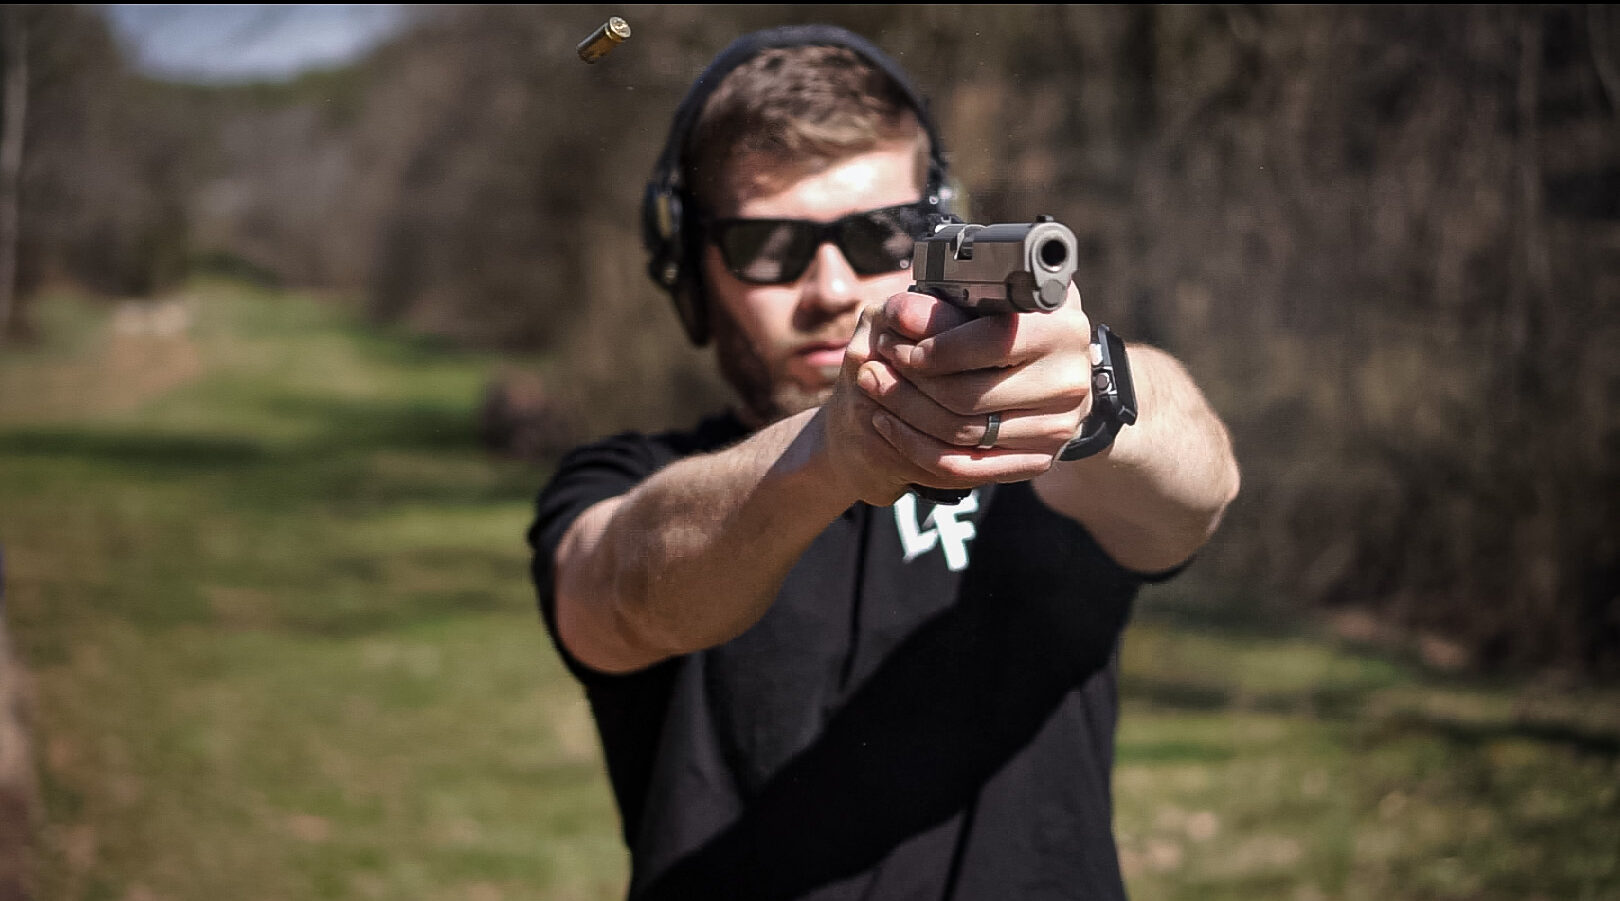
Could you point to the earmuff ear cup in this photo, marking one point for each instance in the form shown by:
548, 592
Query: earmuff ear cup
672, 257
691, 302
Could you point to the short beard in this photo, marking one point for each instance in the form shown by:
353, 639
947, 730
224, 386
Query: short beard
764, 401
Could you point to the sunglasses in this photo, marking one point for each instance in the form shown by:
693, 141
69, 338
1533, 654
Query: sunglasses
777, 251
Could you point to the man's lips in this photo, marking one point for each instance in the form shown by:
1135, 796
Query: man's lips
822, 353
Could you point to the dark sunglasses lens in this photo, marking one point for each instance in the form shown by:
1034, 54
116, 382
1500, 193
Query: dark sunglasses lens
764, 252
880, 241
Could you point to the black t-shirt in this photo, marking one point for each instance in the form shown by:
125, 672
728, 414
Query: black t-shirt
926, 710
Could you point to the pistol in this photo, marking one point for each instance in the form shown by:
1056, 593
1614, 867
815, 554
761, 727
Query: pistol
1020, 267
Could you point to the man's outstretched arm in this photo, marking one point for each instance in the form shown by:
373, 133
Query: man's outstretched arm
693, 555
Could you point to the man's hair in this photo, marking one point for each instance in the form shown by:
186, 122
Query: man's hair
803, 107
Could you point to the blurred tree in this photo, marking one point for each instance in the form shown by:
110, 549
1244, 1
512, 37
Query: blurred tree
1384, 239
100, 192
13, 117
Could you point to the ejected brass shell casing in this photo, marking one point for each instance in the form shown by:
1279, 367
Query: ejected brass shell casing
612, 33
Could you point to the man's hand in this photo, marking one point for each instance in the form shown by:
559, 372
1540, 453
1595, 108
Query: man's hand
873, 470
933, 375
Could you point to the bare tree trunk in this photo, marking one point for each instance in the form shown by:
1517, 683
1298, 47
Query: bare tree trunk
1534, 275
12, 116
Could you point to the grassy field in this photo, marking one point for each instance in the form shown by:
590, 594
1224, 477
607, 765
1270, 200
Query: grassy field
275, 602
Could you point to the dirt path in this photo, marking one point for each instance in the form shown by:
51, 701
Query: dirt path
143, 350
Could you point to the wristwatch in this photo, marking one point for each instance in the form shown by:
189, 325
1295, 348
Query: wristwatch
1113, 397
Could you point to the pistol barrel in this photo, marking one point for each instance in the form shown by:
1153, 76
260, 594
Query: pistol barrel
1019, 267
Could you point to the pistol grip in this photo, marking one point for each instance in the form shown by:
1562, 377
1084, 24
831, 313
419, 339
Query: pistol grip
945, 496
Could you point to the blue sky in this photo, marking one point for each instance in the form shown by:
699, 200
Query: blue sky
248, 41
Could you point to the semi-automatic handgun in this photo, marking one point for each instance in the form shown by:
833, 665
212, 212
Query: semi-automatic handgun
1021, 267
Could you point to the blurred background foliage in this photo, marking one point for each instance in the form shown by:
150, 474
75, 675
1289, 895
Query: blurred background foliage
1384, 238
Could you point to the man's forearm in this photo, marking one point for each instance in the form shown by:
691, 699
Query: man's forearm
694, 555
1154, 497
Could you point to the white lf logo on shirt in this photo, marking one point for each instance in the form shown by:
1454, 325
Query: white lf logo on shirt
951, 528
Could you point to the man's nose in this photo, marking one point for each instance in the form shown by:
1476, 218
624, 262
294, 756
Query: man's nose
831, 285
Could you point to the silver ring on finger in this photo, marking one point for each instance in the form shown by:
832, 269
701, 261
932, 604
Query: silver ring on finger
992, 428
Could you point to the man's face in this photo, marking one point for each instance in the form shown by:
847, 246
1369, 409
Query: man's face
781, 346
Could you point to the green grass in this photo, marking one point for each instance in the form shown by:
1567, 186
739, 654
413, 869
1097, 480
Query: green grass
275, 602
1271, 761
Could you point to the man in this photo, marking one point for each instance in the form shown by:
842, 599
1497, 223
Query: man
808, 682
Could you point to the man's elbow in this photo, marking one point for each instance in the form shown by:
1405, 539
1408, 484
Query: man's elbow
620, 616
1230, 483
604, 609
1175, 539
605, 634
1223, 491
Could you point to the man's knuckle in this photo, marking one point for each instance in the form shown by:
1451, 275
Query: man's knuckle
1060, 430
966, 434
956, 467
1074, 381
1073, 422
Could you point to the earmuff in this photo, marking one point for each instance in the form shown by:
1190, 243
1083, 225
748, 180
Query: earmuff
669, 227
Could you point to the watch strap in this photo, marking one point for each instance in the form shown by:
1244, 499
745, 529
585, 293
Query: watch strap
1113, 397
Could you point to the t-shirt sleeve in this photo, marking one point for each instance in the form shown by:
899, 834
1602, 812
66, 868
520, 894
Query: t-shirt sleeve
584, 478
